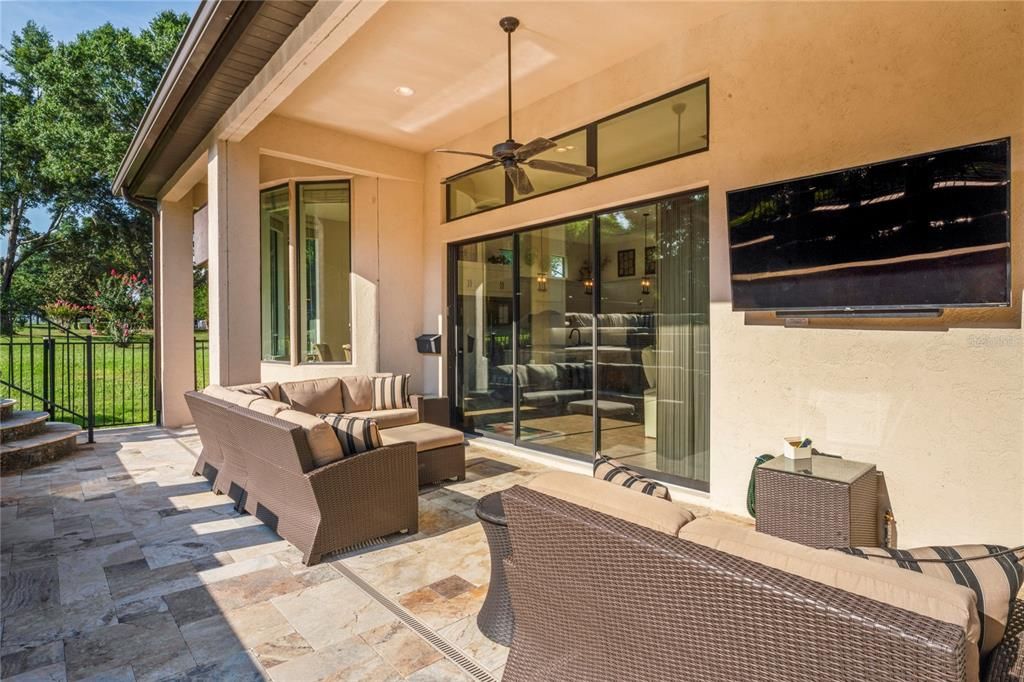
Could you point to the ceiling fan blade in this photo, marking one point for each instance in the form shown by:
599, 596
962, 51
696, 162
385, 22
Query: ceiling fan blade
471, 171
456, 151
519, 179
561, 167
534, 147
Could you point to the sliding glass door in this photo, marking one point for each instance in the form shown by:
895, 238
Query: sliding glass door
653, 361
482, 328
591, 335
555, 328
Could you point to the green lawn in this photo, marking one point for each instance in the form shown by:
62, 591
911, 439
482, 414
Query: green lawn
122, 388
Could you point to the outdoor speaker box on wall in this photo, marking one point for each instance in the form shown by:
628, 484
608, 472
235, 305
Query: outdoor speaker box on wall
429, 343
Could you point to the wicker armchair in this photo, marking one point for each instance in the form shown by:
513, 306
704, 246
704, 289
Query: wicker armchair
318, 510
599, 598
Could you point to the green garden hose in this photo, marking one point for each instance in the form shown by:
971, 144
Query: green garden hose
758, 461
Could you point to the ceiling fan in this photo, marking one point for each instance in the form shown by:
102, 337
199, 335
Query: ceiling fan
510, 153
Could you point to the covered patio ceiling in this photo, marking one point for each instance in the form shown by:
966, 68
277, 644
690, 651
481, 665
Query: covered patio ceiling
452, 55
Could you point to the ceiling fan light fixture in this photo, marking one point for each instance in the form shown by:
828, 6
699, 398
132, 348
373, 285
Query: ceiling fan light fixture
510, 154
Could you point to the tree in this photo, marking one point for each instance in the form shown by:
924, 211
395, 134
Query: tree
68, 114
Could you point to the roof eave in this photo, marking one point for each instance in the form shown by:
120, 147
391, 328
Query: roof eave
203, 31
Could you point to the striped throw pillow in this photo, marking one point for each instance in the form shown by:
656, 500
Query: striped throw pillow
263, 391
994, 579
391, 393
616, 472
356, 434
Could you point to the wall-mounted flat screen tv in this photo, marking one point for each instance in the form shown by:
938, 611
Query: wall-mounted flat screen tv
922, 232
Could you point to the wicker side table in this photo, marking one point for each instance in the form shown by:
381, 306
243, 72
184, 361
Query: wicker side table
496, 619
433, 409
818, 501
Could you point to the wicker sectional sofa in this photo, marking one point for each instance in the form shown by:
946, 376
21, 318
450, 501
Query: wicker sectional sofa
606, 586
264, 446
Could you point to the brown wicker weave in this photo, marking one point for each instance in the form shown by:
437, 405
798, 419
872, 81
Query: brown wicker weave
598, 598
1006, 662
496, 619
221, 461
318, 510
442, 464
432, 409
818, 512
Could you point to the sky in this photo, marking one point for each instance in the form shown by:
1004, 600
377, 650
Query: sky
65, 19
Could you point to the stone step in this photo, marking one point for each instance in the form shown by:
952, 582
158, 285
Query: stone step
56, 440
21, 424
6, 407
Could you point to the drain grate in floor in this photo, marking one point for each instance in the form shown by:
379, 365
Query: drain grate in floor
450, 651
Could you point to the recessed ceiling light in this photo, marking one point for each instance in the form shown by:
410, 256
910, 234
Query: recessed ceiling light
562, 149
404, 91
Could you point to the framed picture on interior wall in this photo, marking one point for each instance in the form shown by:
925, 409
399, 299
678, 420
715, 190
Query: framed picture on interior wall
627, 262
650, 260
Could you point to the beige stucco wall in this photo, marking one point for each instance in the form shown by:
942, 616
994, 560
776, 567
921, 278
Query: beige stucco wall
799, 89
387, 199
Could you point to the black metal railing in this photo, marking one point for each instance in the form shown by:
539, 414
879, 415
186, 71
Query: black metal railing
76, 378
202, 363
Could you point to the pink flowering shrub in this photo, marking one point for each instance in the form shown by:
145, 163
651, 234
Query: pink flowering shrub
121, 304
64, 313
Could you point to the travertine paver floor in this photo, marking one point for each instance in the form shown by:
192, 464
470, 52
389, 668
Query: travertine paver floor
118, 564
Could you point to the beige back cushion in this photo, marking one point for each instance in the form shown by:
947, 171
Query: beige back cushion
614, 500
270, 407
357, 392
313, 396
907, 590
229, 396
323, 444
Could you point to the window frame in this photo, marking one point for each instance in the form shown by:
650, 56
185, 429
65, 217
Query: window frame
295, 302
591, 141
273, 187
299, 353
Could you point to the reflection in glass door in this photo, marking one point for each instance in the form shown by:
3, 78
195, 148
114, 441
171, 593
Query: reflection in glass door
556, 299
484, 379
653, 364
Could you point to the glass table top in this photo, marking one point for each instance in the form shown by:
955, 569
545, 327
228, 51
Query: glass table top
819, 466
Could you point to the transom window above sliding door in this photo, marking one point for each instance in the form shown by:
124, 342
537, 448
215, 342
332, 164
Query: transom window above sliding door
665, 128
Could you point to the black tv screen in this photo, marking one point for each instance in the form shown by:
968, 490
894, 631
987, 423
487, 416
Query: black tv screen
926, 231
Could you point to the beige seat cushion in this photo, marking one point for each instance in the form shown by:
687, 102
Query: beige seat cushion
323, 444
614, 500
907, 590
357, 393
270, 407
313, 396
387, 419
229, 396
426, 436
272, 386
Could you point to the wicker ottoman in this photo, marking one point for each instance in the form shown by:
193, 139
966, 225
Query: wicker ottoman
495, 619
441, 451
